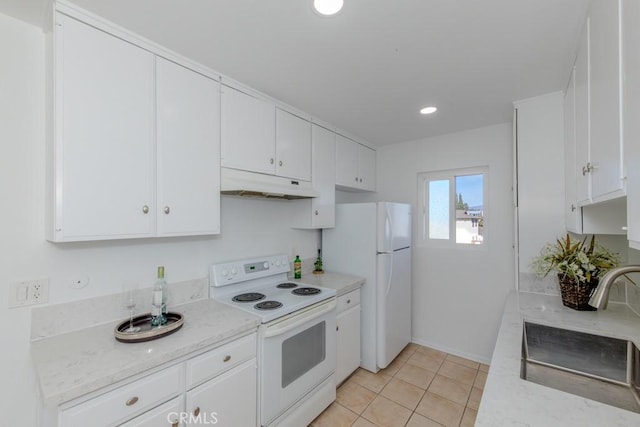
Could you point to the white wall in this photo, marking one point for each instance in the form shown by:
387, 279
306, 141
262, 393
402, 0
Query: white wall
458, 294
540, 180
249, 227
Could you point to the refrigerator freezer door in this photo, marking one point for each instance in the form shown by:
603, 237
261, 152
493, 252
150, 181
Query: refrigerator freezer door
394, 305
394, 226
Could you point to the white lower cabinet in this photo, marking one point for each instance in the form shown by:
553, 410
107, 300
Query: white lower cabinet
348, 335
166, 415
218, 387
228, 400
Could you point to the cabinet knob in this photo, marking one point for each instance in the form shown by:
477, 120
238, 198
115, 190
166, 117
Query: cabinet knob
145, 209
175, 424
271, 161
132, 401
356, 179
573, 208
167, 210
316, 212
196, 411
226, 358
337, 328
348, 301
360, 179
280, 163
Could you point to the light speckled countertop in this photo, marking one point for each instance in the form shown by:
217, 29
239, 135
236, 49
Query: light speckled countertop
508, 400
76, 363
342, 283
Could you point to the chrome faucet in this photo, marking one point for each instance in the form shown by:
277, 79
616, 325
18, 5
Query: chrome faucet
600, 297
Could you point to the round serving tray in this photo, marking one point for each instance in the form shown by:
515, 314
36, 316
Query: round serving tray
147, 332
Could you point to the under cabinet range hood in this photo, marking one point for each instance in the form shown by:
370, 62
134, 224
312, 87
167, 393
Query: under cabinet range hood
252, 184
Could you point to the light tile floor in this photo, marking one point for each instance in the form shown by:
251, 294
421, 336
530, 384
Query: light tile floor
421, 387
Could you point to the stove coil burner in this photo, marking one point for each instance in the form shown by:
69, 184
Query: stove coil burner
268, 305
306, 291
287, 285
249, 297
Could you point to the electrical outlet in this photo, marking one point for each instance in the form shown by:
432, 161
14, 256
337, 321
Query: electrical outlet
29, 292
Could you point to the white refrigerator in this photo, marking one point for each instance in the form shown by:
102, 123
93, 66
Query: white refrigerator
373, 240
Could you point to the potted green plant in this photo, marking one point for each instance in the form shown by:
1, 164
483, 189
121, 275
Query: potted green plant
579, 266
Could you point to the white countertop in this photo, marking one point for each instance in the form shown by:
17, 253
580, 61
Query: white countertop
76, 363
508, 400
342, 283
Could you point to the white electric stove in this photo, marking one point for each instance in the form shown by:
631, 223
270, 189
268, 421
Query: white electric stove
296, 340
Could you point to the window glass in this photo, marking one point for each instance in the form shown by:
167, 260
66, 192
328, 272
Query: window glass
469, 209
439, 209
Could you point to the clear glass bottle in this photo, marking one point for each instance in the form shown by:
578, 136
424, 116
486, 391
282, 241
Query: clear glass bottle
297, 268
159, 300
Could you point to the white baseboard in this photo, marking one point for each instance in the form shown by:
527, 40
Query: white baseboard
471, 356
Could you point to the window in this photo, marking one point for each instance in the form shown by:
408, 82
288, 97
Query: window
453, 207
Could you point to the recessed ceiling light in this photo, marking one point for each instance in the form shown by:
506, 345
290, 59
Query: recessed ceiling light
428, 110
328, 7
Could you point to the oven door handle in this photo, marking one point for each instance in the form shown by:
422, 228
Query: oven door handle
299, 319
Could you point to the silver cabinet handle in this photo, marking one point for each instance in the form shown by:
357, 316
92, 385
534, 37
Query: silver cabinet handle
167, 210
226, 358
360, 179
280, 163
145, 209
316, 212
132, 401
573, 208
196, 411
271, 161
348, 301
356, 179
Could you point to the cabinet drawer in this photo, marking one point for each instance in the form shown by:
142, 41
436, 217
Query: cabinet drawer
348, 300
126, 401
165, 415
216, 361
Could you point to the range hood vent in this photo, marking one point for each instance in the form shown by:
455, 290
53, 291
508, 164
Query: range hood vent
252, 184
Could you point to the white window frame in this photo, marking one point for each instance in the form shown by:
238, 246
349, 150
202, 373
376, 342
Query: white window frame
423, 203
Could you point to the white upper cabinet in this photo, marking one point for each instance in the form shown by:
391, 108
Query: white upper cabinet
188, 145
572, 213
135, 148
605, 150
103, 148
581, 112
355, 165
293, 146
598, 115
248, 132
631, 108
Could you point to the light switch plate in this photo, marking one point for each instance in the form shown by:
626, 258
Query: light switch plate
28, 292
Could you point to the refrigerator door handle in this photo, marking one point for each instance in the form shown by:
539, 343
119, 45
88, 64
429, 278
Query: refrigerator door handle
389, 276
389, 230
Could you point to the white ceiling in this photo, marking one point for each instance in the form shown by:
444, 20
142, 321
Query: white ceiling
370, 68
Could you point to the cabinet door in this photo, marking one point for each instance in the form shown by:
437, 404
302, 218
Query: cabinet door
346, 162
248, 132
572, 213
631, 111
348, 345
228, 400
104, 141
582, 117
367, 168
167, 415
604, 59
323, 207
293, 146
188, 147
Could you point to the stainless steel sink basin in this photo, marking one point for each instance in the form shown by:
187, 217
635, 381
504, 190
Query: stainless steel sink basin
599, 368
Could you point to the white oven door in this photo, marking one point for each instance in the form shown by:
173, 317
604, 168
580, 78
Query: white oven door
298, 353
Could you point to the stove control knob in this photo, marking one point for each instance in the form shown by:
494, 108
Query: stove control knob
266, 264
277, 263
234, 271
224, 272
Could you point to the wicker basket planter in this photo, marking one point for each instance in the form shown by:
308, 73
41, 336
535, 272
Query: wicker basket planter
576, 295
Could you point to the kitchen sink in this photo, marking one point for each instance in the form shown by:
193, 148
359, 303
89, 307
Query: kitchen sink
596, 367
